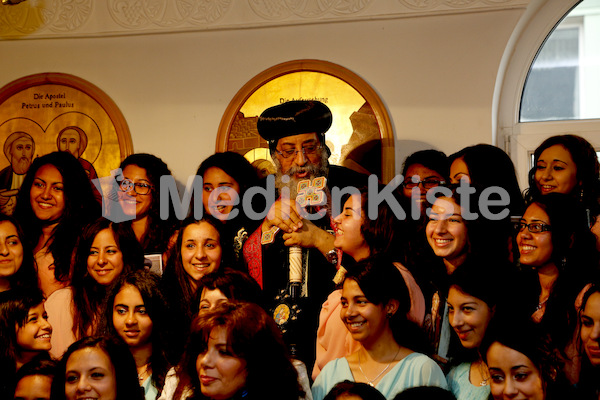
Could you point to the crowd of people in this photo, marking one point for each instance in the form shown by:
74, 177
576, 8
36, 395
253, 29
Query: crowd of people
457, 286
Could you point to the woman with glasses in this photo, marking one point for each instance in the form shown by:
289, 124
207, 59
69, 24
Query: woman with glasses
423, 170
556, 245
140, 199
55, 202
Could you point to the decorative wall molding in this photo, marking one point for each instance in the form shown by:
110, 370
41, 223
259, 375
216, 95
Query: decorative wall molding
36, 19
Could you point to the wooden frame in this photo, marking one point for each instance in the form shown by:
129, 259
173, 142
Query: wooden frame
370, 123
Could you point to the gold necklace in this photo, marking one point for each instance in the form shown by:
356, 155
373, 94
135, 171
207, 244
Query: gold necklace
370, 381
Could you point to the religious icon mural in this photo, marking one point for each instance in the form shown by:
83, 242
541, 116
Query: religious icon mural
360, 136
50, 112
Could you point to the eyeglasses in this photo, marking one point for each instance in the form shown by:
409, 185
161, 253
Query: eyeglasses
426, 183
287, 152
128, 185
534, 227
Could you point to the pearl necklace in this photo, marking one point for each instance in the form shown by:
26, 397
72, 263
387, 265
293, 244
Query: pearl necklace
370, 381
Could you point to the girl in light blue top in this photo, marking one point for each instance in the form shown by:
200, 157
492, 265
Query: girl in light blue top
375, 301
476, 294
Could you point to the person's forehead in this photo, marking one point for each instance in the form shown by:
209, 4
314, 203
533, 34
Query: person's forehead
22, 140
298, 140
70, 133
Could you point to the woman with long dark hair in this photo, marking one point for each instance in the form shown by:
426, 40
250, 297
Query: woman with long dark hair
226, 176
55, 202
16, 258
105, 250
24, 333
524, 363
140, 198
135, 311
565, 164
375, 303
197, 252
97, 367
358, 236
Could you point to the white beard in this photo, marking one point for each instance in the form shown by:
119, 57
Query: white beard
288, 179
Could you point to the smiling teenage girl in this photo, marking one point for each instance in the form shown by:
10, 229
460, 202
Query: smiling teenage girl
565, 164
375, 302
197, 252
104, 251
54, 203
96, 368
24, 333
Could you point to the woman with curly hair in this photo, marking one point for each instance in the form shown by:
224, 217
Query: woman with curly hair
235, 351
55, 202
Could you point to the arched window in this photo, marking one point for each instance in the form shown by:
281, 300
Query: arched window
552, 80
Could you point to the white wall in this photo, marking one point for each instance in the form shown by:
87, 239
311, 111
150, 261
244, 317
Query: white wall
435, 74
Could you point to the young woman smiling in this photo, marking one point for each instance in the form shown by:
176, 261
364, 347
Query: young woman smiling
476, 294
556, 244
225, 176
554, 240
24, 333
523, 363
197, 252
375, 303
97, 368
105, 250
140, 199
54, 203
359, 237
565, 164
136, 312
